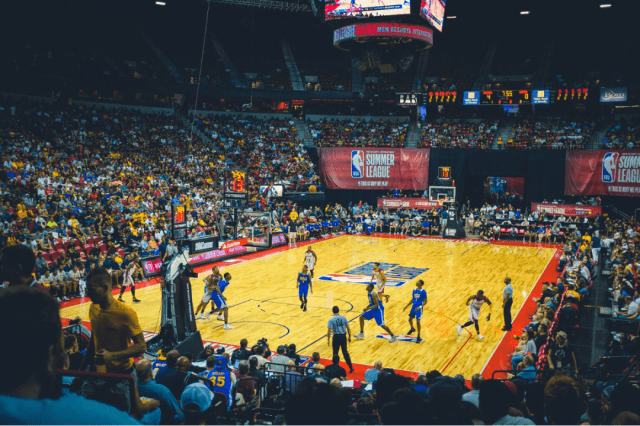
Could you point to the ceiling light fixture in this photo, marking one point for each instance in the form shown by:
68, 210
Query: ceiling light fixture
524, 12
602, 6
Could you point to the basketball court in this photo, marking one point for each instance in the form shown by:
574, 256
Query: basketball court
263, 298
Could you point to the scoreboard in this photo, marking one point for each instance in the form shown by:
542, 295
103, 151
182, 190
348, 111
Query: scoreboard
236, 186
493, 97
505, 97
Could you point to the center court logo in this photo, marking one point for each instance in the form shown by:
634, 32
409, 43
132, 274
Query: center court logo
357, 164
396, 274
609, 166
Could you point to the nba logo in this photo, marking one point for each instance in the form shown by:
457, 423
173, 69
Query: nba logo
609, 166
357, 163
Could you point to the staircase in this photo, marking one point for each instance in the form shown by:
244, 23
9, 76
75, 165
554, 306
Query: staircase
486, 67
294, 72
165, 60
596, 139
421, 70
505, 132
303, 133
545, 65
357, 81
413, 136
240, 80
189, 124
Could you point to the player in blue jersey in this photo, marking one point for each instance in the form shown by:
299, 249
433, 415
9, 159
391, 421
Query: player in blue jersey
220, 301
375, 311
418, 300
304, 285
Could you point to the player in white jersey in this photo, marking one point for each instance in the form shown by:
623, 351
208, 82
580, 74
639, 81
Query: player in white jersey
209, 283
381, 280
474, 303
127, 281
310, 260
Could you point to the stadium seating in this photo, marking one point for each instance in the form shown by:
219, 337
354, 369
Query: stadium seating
622, 135
458, 134
550, 134
358, 133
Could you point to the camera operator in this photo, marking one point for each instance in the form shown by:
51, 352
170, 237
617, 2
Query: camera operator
261, 351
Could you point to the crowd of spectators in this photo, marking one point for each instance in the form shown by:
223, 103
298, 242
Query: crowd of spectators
180, 387
551, 134
622, 135
269, 148
349, 133
458, 134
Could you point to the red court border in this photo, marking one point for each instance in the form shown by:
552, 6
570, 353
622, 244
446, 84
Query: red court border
499, 359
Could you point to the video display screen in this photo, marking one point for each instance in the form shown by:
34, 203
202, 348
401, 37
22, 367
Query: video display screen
433, 11
343, 9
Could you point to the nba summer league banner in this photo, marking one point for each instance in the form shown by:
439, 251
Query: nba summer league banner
603, 173
374, 168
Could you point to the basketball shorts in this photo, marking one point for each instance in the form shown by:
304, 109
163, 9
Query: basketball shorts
375, 314
219, 301
206, 297
475, 313
416, 312
310, 266
128, 280
303, 291
380, 288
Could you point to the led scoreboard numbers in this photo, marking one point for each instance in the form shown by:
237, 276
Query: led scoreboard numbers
572, 94
236, 185
440, 97
505, 97
431, 97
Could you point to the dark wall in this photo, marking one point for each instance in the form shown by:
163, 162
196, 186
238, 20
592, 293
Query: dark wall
543, 172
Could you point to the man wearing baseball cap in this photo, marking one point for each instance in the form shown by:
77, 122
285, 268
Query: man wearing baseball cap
196, 402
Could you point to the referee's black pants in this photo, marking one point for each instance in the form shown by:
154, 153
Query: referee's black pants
340, 341
507, 314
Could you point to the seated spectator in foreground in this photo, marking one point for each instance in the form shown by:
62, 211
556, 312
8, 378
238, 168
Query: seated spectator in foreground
316, 403
563, 403
371, 375
147, 387
28, 373
17, 263
334, 371
494, 401
474, 395
161, 373
196, 403
179, 379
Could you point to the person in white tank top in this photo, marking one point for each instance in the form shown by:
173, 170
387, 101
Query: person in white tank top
310, 260
381, 280
475, 303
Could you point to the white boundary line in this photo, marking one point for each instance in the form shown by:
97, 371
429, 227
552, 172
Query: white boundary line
518, 313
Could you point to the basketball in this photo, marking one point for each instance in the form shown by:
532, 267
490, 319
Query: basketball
313, 189
293, 215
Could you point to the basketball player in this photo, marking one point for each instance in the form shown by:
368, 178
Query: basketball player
310, 260
209, 283
220, 300
381, 280
127, 281
375, 310
293, 233
303, 284
476, 303
418, 300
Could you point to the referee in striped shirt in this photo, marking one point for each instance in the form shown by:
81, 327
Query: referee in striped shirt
339, 326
